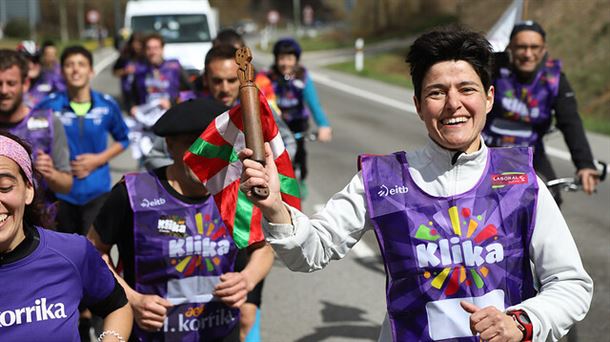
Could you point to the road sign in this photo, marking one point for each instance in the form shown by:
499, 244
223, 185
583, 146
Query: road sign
308, 15
273, 17
93, 16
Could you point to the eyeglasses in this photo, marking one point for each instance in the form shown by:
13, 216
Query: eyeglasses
523, 48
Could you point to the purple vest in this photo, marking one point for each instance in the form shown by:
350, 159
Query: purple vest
157, 82
524, 114
180, 250
37, 129
127, 80
289, 95
50, 81
437, 251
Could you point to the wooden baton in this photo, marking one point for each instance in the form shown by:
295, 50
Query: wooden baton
249, 99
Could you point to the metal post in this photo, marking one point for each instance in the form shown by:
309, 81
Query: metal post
3, 12
296, 12
80, 17
117, 17
32, 19
359, 58
63, 21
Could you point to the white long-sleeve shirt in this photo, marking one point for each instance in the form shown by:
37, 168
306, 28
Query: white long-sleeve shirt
564, 287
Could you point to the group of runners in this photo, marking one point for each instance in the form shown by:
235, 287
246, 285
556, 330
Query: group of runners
180, 271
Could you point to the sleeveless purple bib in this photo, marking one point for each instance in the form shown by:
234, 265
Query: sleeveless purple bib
437, 251
180, 251
525, 110
155, 83
289, 95
50, 81
37, 129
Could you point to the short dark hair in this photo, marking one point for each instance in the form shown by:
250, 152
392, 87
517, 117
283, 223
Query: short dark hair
46, 44
287, 46
528, 25
35, 212
450, 44
8, 58
76, 50
221, 52
152, 36
228, 37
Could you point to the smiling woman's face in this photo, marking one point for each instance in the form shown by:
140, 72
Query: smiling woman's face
453, 105
15, 194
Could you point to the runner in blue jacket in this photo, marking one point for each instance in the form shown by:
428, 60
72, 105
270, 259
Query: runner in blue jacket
88, 117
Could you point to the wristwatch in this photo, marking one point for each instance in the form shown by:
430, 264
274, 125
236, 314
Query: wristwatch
523, 323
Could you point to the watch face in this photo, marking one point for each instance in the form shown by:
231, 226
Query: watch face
525, 318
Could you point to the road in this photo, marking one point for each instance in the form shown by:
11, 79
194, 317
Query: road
345, 301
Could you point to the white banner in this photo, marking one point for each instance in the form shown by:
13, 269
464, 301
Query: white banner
499, 35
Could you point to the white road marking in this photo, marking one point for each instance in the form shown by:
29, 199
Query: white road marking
101, 65
327, 81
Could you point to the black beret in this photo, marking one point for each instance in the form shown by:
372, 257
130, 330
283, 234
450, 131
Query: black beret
528, 25
192, 116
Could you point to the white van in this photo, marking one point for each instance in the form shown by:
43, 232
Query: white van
188, 27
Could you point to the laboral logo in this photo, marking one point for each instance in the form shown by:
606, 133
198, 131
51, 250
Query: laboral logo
40, 311
464, 255
202, 250
508, 178
397, 189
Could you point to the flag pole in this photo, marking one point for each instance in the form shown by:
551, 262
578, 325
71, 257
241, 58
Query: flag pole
525, 3
250, 106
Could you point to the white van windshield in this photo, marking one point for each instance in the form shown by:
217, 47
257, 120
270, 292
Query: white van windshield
175, 28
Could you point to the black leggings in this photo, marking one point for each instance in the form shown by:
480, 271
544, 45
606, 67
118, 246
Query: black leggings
72, 218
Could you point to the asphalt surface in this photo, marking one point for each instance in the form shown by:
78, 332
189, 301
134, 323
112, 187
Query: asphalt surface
345, 301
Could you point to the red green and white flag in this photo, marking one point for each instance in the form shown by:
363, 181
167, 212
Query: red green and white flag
213, 158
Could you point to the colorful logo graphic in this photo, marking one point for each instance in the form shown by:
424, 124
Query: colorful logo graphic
171, 225
202, 251
525, 108
463, 255
508, 178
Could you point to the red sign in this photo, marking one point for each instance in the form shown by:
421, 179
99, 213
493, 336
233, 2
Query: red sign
273, 17
509, 179
93, 16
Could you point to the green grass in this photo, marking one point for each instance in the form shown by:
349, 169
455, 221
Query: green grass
596, 124
386, 67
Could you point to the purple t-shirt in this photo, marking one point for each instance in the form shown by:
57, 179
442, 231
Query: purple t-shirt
40, 293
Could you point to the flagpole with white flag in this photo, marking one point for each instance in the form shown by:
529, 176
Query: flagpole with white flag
499, 35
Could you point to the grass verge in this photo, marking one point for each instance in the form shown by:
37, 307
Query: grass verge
386, 67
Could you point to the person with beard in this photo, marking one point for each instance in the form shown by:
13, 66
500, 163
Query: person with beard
220, 82
40, 128
223, 86
532, 92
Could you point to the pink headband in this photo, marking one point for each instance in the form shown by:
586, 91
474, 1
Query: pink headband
13, 150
